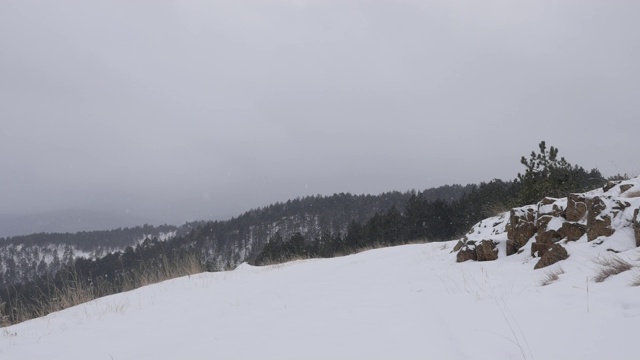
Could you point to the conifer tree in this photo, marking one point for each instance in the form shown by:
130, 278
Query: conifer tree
548, 175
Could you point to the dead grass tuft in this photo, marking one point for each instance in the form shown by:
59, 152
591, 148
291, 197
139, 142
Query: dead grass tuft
551, 276
609, 266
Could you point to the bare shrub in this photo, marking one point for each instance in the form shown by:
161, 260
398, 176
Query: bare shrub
609, 266
551, 276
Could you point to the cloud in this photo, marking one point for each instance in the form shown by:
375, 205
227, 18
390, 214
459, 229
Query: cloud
150, 105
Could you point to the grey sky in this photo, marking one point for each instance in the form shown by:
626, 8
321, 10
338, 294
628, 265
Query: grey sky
180, 110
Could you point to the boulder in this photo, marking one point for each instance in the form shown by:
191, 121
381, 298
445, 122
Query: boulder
545, 236
610, 185
548, 237
576, 207
520, 228
542, 222
554, 254
572, 231
538, 249
625, 187
548, 206
486, 250
597, 224
558, 211
465, 254
599, 227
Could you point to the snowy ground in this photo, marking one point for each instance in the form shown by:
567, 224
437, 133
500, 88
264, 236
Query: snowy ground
409, 302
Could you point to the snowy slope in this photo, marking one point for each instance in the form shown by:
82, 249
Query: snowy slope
409, 302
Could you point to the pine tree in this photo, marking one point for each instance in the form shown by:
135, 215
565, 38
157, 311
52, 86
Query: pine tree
548, 175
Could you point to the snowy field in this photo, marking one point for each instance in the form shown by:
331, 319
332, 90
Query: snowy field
408, 302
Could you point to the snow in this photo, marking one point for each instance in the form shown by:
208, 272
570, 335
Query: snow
407, 302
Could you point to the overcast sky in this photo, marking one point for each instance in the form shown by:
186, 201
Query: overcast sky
184, 110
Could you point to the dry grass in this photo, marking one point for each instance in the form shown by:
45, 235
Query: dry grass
4, 320
551, 276
632, 194
494, 209
152, 274
76, 292
609, 266
283, 261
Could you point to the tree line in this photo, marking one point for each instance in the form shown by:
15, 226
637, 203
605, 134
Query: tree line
424, 219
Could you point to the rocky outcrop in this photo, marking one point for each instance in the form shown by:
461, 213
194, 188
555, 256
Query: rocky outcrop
576, 207
550, 225
552, 255
598, 224
520, 228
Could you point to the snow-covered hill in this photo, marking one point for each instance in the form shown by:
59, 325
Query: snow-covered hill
408, 302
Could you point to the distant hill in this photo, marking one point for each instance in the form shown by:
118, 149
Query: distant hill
223, 244
65, 221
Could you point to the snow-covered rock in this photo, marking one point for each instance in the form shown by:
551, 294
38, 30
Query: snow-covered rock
594, 216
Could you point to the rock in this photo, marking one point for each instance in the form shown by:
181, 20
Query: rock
545, 236
610, 185
572, 231
542, 222
486, 250
597, 224
520, 228
636, 225
554, 254
625, 187
599, 227
576, 207
547, 201
548, 206
465, 254
548, 237
539, 249
621, 205
558, 211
